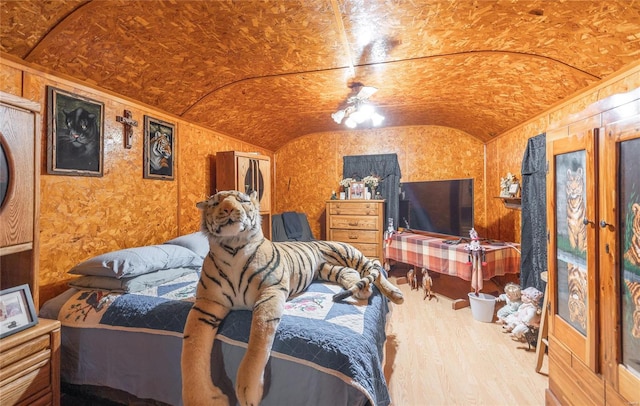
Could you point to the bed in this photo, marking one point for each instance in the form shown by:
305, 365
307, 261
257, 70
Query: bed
122, 323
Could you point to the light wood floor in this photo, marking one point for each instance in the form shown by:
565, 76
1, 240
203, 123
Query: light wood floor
439, 356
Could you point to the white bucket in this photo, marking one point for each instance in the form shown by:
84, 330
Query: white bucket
482, 306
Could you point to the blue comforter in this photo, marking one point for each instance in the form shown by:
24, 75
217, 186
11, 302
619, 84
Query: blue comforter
344, 340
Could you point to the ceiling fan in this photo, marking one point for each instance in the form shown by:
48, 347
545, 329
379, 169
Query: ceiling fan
358, 110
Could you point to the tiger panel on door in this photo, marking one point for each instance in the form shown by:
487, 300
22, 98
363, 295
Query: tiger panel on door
620, 252
573, 273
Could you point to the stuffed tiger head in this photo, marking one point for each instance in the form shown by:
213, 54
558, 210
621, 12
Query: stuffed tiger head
231, 214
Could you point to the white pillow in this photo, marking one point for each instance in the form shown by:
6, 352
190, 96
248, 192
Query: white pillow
196, 242
132, 284
138, 261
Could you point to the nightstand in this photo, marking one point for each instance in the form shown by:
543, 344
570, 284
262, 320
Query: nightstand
30, 366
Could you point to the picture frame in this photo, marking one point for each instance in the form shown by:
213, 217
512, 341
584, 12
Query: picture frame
513, 189
17, 311
75, 134
357, 190
159, 149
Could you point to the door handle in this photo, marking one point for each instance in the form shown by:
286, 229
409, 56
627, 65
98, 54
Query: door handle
604, 224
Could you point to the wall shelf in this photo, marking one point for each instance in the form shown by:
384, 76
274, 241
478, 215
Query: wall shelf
511, 202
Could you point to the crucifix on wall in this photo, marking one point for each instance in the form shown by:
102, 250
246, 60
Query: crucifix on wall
129, 123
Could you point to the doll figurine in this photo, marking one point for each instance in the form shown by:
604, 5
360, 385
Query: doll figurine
527, 315
512, 298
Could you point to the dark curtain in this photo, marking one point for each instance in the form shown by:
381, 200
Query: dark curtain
384, 166
533, 240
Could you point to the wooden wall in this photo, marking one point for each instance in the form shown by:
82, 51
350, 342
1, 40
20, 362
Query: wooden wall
85, 216
309, 168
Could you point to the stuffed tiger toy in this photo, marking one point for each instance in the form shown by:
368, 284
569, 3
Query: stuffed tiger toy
577, 281
576, 210
634, 291
633, 253
243, 270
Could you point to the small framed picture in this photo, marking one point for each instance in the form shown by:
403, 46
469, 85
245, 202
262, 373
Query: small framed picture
159, 152
16, 310
75, 128
513, 189
357, 190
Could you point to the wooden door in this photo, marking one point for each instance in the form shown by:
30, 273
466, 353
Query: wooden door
573, 269
619, 255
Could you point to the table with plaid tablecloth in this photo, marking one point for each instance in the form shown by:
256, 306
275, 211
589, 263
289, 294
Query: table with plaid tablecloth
434, 254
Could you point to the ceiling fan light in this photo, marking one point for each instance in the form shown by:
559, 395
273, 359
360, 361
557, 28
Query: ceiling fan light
377, 119
338, 116
350, 122
367, 110
358, 116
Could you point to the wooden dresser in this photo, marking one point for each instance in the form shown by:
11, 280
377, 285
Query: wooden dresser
30, 366
359, 223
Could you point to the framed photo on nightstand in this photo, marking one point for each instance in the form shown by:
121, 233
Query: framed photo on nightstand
17, 312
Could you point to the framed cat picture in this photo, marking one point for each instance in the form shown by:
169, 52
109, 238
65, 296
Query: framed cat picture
75, 134
159, 151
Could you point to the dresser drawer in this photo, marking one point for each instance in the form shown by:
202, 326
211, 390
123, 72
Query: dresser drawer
370, 251
24, 350
354, 222
30, 366
364, 208
27, 386
354, 236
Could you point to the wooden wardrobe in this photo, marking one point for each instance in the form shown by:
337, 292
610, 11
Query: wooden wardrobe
20, 192
593, 196
247, 172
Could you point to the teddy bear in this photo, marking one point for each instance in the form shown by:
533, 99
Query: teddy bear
527, 315
513, 299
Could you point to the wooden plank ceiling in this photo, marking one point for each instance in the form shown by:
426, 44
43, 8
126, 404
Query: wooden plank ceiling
270, 71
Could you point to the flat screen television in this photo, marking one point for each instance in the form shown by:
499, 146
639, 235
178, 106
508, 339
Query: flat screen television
439, 206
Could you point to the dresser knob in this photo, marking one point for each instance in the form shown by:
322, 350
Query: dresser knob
353, 224
353, 236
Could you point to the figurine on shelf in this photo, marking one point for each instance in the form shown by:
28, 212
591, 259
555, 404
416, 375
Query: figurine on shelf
509, 185
512, 297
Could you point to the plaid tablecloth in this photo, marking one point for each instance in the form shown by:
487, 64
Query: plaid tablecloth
432, 253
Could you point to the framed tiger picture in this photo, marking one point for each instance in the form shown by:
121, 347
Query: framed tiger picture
159, 149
